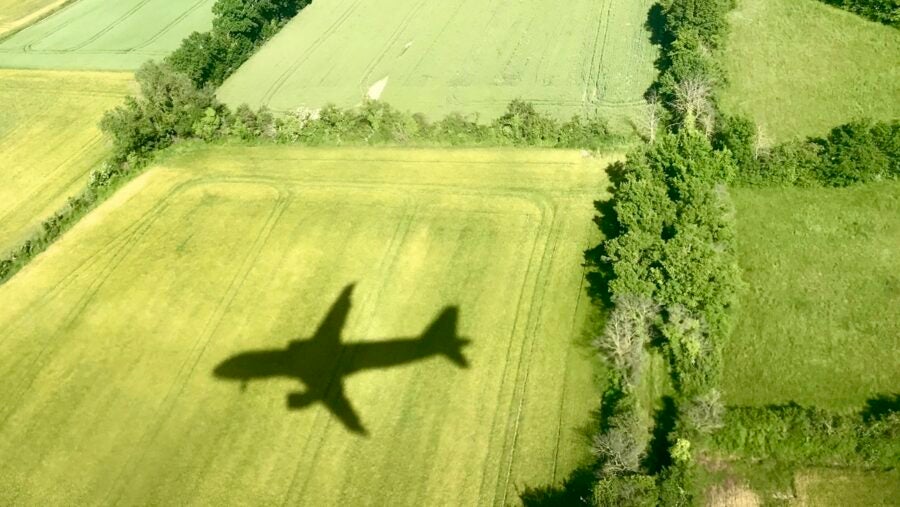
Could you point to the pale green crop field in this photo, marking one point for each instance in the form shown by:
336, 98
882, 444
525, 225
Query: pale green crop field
469, 57
801, 67
49, 141
113, 343
817, 322
106, 34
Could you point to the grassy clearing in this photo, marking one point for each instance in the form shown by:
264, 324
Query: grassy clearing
49, 141
800, 67
110, 339
106, 34
818, 320
840, 488
442, 57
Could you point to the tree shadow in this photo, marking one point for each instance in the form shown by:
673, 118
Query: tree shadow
606, 219
322, 362
879, 407
576, 490
658, 457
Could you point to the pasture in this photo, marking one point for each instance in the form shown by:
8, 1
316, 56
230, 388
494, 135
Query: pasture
818, 322
469, 57
803, 82
131, 349
106, 34
49, 141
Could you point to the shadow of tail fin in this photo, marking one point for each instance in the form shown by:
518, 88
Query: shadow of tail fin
441, 337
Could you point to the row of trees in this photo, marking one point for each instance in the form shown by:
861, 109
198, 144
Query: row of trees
668, 267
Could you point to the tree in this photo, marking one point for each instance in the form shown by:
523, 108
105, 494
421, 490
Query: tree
168, 107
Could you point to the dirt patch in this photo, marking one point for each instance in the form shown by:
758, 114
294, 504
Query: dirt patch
732, 494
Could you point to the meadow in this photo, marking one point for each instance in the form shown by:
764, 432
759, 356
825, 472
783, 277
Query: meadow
121, 346
469, 57
803, 82
105, 34
49, 141
817, 322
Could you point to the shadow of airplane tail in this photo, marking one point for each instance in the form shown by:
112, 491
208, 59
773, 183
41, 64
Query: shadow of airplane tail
441, 337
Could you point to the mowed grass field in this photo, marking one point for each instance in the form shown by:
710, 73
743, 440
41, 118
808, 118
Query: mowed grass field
106, 34
49, 141
468, 57
801, 67
819, 321
110, 340
15, 14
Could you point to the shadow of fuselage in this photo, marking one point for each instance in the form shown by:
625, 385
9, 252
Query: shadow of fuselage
322, 362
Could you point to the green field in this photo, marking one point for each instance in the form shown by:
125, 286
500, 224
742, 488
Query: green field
800, 67
49, 141
106, 34
818, 316
117, 344
442, 57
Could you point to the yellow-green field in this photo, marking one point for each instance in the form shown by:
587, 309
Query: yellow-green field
49, 141
801, 67
15, 14
120, 346
470, 57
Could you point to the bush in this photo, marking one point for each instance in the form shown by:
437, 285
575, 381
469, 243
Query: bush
523, 126
800, 436
857, 152
705, 18
626, 491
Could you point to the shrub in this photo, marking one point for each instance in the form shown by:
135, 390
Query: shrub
795, 435
626, 491
522, 125
882, 11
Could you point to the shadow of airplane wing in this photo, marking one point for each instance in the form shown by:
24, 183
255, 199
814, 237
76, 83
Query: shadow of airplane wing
340, 406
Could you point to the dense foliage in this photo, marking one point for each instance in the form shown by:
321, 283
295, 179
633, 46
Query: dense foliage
883, 11
858, 152
809, 437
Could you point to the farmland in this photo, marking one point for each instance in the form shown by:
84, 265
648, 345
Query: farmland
15, 14
49, 141
115, 341
817, 313
105, 34
798, 83
470, 57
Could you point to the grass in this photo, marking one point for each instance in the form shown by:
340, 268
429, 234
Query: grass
818, 321
839, 488
106, 34
109, 341
49, 141
800, 67
469, 57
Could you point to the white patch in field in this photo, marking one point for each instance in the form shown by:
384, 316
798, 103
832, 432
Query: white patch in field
377, 89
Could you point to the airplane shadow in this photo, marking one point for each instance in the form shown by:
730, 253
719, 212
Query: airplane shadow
322, 362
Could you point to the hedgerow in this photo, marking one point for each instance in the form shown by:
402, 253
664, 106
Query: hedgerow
882, 11
810, 437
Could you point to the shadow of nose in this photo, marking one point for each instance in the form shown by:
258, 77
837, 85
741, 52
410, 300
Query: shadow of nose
228, 369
